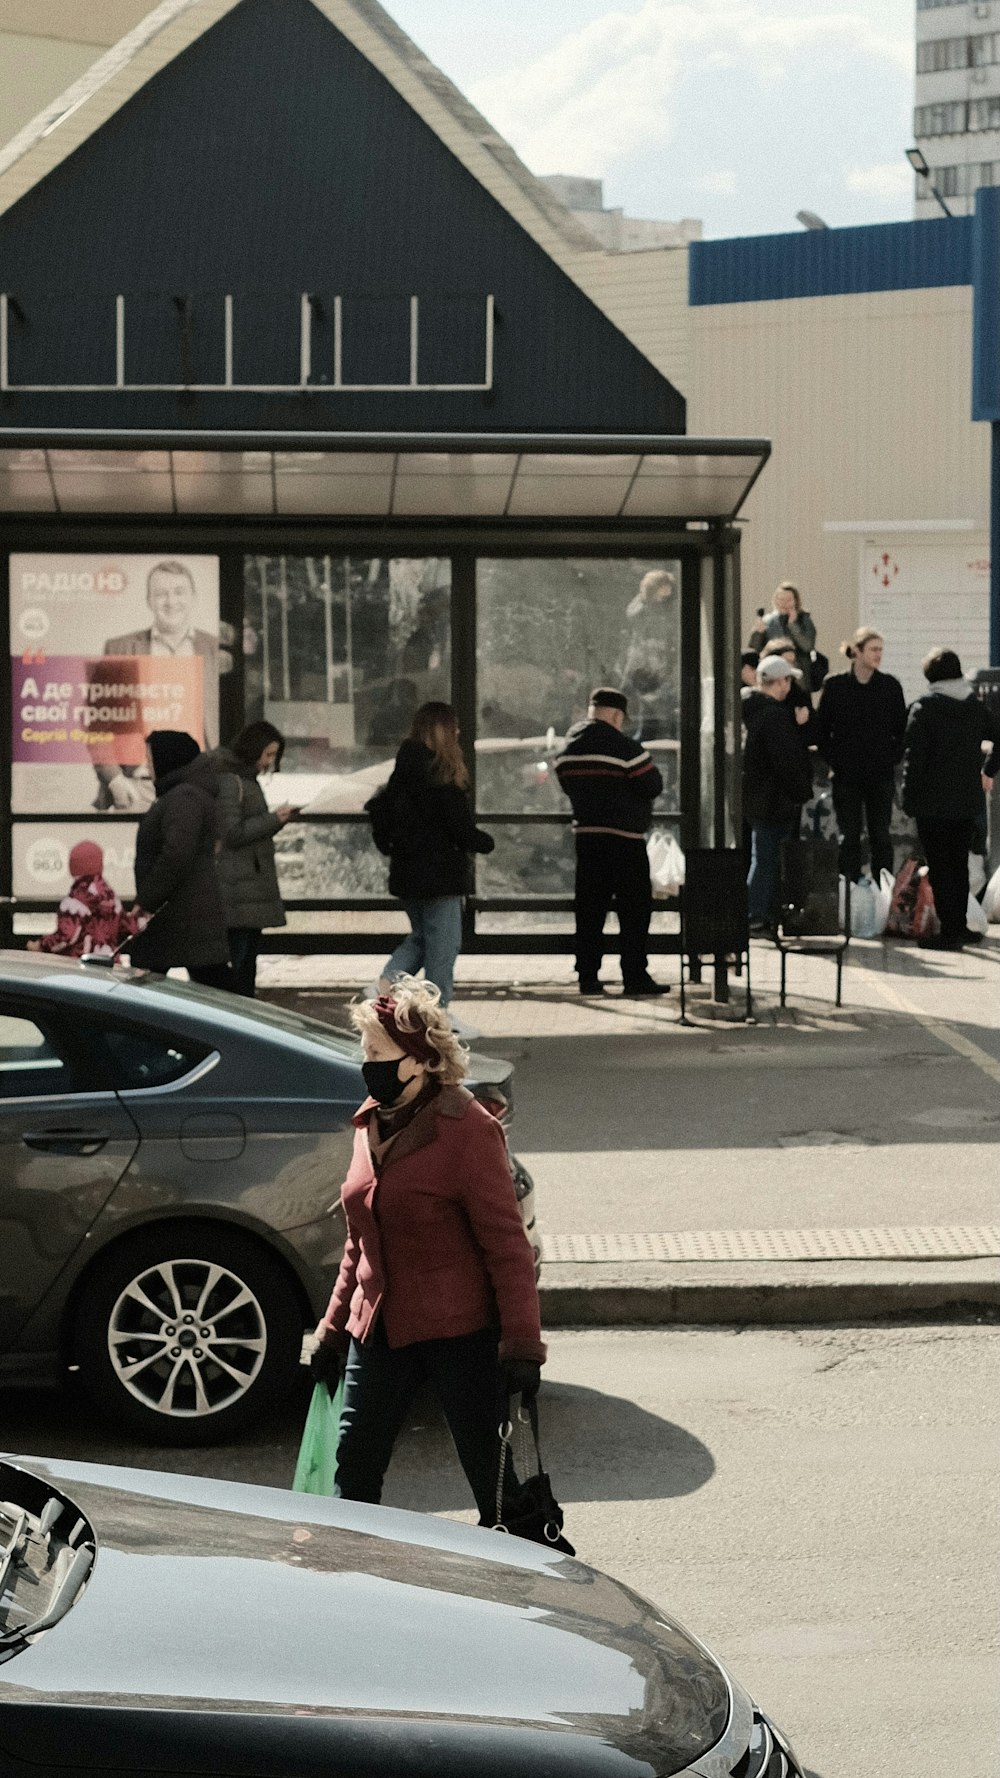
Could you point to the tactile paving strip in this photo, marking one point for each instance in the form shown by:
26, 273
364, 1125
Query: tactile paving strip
719, 1245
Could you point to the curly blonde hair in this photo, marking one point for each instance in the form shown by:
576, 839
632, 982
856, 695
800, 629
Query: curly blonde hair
418, 1007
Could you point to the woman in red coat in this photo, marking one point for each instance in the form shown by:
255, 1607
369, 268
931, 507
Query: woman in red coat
437, 1282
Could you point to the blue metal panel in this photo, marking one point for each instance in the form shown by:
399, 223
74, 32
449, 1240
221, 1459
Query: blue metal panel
832, 262
986, 310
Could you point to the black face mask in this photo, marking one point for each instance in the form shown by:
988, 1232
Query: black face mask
383, 1082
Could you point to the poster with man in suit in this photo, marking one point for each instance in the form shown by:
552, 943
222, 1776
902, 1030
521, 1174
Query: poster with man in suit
104, 650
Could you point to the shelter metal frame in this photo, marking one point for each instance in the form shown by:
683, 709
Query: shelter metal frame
708, 554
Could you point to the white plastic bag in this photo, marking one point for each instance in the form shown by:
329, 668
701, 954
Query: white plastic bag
886, 885
865, 909
975, 918
666, 864
991, 899
977, 872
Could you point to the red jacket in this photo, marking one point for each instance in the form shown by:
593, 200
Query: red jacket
435, 1241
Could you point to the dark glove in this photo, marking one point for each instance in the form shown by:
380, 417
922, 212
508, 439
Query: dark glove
521, 1376
327, 1365
485, 842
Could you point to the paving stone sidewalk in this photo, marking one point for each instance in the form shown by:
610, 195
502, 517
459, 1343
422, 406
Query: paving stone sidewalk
904, 1012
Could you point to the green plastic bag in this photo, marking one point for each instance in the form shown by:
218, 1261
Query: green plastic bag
317, 1464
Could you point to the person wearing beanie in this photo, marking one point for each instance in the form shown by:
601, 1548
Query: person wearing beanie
91, 921
612, 784
947, 730
177, 890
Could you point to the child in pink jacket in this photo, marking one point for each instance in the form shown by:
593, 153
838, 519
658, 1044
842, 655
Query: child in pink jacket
92, 921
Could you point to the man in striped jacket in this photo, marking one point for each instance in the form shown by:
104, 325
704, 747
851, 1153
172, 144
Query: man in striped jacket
612, 784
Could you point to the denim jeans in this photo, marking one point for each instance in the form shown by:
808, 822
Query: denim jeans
379, 1387
432, 945
765, 868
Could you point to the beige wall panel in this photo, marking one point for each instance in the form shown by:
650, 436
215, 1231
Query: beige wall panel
33, 71
866, 399
75, 21
645, 294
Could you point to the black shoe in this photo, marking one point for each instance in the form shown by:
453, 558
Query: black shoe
591, 987
645, 987
971, 938
936, 941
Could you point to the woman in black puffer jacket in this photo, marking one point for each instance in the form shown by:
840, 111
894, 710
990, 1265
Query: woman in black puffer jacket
431, 841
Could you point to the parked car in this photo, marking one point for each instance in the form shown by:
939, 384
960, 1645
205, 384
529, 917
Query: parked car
170, 1166
162, 1623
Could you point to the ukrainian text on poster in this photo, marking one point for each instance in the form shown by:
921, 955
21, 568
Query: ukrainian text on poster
103, 651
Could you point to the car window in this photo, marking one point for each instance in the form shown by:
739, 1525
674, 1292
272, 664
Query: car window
28, 1061
259, 1015
139, 1059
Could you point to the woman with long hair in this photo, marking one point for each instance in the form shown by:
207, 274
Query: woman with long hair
246, 869
432, 839
437, 1282
861, 722
788, 620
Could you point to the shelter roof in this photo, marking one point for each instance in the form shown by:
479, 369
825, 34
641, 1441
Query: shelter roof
444, 477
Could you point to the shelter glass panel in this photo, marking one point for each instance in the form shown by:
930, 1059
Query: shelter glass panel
339, 652
548, 631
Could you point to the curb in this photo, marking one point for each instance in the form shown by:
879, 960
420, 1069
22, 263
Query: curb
823, 1302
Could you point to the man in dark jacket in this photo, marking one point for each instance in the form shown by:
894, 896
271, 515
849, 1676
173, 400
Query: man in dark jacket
612, 784
943, 768
175, 879
861, 721
777, 780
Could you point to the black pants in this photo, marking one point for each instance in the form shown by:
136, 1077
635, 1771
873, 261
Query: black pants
612, 873
211, 975
244, 944
871, 804
946, 847
380, 1385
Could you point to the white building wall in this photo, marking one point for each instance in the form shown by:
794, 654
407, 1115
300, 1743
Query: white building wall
952, 104
866, 400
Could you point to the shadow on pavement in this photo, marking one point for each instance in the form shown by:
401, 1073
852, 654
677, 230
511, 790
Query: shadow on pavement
596, 1447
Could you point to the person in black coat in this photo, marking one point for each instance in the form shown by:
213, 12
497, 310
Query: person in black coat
777, 780
176, 886
612, 784
861, 721
943, 769
432, 839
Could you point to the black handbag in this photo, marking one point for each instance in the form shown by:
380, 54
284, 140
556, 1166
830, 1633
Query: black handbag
528, 1508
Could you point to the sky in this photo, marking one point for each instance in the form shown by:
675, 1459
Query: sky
738, 112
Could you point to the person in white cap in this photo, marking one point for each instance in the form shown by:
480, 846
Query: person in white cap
777, 780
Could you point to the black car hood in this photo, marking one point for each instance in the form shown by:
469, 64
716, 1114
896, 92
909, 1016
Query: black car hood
213, 1595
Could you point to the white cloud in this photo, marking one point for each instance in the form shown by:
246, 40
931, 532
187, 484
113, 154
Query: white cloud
614, 88
891, 182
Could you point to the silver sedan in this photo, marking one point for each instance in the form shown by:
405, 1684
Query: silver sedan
170, 1165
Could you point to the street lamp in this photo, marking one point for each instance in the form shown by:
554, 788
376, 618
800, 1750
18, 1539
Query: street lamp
918, 162
809, 219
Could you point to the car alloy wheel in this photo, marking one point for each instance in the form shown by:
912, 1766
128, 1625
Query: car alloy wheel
187, 1337
187, 1331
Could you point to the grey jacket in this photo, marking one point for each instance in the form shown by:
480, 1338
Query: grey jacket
246, 869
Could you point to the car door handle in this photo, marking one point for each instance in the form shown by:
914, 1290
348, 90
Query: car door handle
83, 1142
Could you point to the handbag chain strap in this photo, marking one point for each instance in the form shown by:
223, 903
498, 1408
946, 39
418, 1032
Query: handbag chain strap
526, 1415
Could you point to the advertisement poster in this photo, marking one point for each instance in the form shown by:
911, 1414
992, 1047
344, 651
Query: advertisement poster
41, 859
104, 649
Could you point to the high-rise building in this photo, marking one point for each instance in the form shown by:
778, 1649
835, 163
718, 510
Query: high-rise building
956, 120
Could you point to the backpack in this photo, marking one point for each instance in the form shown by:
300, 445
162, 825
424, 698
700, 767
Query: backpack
394, 819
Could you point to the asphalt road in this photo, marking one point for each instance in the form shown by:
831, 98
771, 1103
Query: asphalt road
818, 1504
